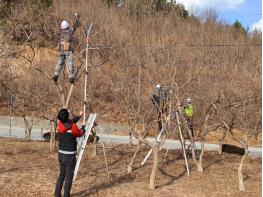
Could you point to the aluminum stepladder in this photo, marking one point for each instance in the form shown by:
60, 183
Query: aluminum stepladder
181, 141
88, 128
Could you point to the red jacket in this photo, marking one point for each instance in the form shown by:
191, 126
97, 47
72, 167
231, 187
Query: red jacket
69, 127
67, 133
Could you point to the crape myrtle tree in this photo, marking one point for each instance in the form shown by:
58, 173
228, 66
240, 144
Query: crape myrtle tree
34, 99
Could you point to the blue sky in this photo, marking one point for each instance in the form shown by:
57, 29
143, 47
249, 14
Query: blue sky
248, 12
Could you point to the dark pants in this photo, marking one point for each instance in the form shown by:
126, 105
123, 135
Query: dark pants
160, 125
190, 125
67, 57
67, 165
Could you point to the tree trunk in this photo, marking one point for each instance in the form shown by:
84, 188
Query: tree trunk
131, 128
221, 142
27, 132
52, 137
130, 138
154, 168
133, 158
162, 141
240, 174
200, 161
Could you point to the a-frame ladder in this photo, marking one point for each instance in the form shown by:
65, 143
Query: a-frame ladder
182, 144
88, 128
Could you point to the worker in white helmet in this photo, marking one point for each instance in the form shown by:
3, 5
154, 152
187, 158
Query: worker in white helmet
156, 99
66, 49
120, 3
158, 86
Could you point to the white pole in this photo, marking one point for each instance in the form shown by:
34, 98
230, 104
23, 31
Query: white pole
105, 158
145, 159
10, 121
86, 74
104, 153
181, 136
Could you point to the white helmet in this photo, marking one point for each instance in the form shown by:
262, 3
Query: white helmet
64, 24
188, 100
158, 86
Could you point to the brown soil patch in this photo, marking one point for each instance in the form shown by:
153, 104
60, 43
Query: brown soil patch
29, 169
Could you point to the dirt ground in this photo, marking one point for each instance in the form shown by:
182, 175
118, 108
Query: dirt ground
29, 169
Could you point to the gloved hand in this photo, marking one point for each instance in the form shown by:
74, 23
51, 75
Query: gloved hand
77, 15
76, 23
81, 113
75, 119
83, 129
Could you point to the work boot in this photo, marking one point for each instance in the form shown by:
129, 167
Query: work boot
72, 80
55, 78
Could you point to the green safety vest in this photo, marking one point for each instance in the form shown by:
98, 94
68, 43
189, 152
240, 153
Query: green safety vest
188, 110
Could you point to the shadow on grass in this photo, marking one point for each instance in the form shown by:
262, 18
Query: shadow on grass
209, 160
120, 154
171, 177
211, 163
116, 181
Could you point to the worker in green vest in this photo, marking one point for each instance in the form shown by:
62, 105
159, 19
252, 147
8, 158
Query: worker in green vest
188, 111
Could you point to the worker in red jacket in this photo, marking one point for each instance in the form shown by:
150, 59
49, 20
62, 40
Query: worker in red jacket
67, 133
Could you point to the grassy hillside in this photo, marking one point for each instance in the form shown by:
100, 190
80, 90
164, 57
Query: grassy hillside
141, 46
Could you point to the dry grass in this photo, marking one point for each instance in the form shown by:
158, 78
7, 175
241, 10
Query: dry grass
29, 169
